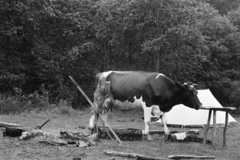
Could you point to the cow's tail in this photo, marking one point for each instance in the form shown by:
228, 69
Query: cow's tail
97, 78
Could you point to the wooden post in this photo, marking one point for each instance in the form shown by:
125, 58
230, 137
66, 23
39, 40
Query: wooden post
214, 126
207, 127
90, 102
225, 129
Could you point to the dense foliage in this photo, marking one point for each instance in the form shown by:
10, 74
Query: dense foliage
43, 42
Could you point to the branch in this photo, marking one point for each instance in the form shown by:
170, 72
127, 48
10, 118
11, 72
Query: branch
132, 155
190, 157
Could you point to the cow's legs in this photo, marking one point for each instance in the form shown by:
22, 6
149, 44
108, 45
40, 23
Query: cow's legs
147, 119
164, 122
156, 111
103, 109
92, 123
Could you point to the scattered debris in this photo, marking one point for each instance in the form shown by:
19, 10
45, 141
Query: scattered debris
36, 133
16, 130
54, 142
190, 136
74, 135
79, 139
131, 134
82, 127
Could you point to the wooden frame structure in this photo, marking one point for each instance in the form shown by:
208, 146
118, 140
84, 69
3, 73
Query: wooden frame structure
214, 110
105, 123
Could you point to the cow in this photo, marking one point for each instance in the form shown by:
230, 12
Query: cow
152, 90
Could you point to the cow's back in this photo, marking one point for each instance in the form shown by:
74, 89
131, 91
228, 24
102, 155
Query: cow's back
127, 85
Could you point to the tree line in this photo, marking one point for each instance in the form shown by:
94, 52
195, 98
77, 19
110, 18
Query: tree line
43, 42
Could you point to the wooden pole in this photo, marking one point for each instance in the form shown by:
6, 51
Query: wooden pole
94, 107
214, 126
207, 127
225, 129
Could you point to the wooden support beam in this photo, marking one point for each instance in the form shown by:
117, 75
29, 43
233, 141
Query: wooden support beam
225, 129
214, 126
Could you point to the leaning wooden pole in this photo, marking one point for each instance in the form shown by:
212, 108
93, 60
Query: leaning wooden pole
94, 107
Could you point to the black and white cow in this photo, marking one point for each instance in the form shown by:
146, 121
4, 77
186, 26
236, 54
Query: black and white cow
145, 88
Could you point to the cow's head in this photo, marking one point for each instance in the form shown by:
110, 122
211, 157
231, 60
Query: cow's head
189, 96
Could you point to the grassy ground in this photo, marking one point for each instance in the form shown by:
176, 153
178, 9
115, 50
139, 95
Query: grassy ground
68, 119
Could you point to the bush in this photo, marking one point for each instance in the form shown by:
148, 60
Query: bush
18, 103
11, 105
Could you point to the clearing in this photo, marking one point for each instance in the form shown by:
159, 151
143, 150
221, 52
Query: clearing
68, 119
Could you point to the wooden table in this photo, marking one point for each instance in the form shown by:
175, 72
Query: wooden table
214, 110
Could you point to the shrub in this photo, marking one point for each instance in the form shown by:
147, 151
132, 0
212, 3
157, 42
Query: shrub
11, 105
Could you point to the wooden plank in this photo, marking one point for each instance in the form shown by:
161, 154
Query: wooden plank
225, 130
218, 108
5, 124
207, 127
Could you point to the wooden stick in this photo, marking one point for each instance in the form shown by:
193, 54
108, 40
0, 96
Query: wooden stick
106, 129
40, 127
90, 102
132, 155
225, 129
190, 157
207, 128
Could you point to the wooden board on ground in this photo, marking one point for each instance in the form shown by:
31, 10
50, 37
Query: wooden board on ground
6, 124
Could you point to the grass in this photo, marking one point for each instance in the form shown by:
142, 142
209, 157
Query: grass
65, 118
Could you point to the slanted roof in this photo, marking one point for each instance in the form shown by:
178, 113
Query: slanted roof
182, 116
